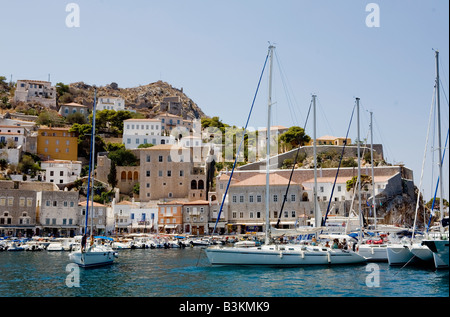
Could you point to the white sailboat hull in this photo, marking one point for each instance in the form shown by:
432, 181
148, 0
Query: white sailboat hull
440, 252
90, 258
280, 256
399, 254
374, 252
422, 252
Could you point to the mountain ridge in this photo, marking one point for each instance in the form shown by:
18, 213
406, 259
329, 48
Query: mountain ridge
145, 99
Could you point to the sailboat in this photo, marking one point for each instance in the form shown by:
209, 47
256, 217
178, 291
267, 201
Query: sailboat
439, 245
94, 254
373, 252
274, 254
435, 246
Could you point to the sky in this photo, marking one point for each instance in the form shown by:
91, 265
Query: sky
215, 50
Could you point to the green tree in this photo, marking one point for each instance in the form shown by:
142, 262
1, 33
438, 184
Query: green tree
84, 140
123, 157
436, 203
112, 176
76, 118
294, 136
144, 146
50, 118
365, 179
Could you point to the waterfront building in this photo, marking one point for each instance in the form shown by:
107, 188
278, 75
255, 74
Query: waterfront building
57, 144
167, 172
17, 212
245, 202
35, 91
170, 217
98, 216
144, 218
58, 213
196, 217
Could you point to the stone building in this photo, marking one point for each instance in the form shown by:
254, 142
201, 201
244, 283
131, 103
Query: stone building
58, 213
166, 172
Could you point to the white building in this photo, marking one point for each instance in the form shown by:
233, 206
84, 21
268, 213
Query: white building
99, 216
144, 131
35, 91
130, 216
110, 103
61, 171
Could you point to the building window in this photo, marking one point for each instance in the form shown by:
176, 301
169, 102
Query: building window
258, 198
160, 158
292, 197
275, 198
234, 198
250, 198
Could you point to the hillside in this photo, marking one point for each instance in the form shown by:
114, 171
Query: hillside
144, 99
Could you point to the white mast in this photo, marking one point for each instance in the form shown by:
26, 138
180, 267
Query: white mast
269, 102
317, 217
373, 176
438, 99
359, 172
93, 165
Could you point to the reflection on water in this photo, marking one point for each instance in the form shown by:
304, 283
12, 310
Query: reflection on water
187, 273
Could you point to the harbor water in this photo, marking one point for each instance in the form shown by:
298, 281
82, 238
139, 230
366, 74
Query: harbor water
187, 273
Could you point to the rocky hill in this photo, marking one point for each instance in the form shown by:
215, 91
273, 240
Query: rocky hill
144, 99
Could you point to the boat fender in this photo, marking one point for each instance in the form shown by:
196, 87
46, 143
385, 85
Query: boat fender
303, 254
372, 251
329, 256
281, 254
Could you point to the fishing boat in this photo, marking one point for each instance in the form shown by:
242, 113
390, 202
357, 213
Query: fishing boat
93, 254
270, 253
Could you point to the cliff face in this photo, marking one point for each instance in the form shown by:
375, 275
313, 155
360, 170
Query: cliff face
145, 99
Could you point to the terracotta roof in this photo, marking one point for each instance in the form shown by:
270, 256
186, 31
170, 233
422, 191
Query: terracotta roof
142, 120
83, 203
74, 104
260, 180
197, 202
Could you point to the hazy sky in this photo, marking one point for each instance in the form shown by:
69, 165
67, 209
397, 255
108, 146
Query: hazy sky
215, 50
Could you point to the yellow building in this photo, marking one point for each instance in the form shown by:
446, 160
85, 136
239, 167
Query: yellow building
330, 140
57, 144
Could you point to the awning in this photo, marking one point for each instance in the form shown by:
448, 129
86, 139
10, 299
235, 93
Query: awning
170, 226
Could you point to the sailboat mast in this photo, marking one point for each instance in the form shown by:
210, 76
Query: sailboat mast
373, 176
269, 105
317, 218
359, 169
438, 100
93, 161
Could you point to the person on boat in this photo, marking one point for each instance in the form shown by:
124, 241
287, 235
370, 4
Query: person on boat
335, 244
344, 245
314, 241
327, 245
83, 242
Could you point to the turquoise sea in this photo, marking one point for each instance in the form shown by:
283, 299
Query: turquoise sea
186, 273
